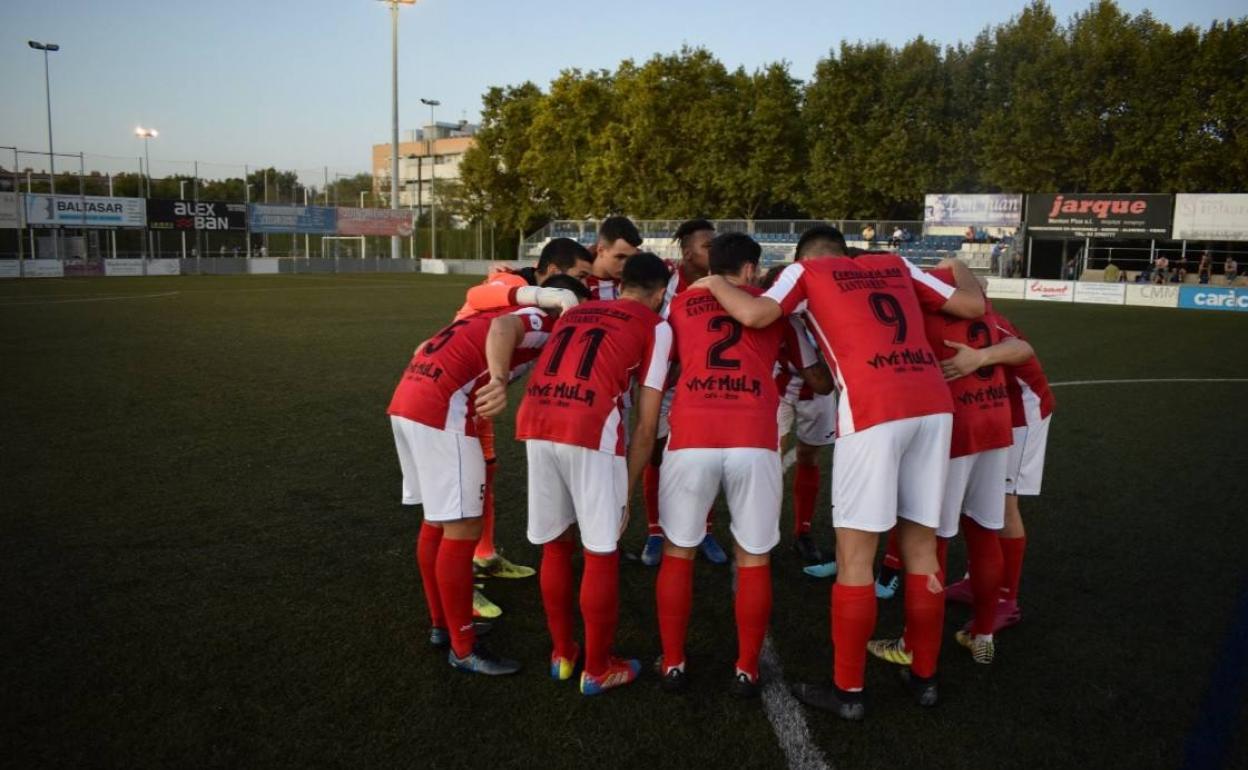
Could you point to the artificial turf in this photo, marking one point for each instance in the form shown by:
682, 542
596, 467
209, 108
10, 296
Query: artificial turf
203, 561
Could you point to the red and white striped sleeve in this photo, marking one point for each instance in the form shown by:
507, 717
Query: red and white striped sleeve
933, 292
658, 357
789, 290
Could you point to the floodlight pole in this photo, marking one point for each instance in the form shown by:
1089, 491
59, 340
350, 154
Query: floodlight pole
394, 119
182, 196
47, 88
433, 175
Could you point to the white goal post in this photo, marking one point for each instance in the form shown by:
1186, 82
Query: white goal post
351, 252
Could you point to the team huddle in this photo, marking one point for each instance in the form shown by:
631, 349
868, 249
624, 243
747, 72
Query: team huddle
683, 378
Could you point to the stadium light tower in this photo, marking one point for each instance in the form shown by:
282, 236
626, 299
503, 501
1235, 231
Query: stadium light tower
147, 134
47, 88
394, 113
433, 172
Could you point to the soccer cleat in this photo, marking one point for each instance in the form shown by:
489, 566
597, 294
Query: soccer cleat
888, 590
982, 648
825, 570
712, 550
440, 638
891, 650
1008, 614
806, 549
959, 592
924, 690
827, 697
562, 669
499, 567
744, 686
482, 661
672, 679
483, 607
620, 671
652, 551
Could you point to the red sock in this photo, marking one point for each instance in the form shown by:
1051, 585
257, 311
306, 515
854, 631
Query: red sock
650, 487
853, 621
942, 558
427, 560
892, 552
485, 545
983, 549
805, 490
925, 617
1012, 549
674, 595
753, 608
557, 586
455, 589
600, 608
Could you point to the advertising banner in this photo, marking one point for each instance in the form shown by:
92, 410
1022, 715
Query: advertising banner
263, 266
313, 220
1098, 215
977, 210
1213, 298
1101, 293
1007, 288
43, 268
1051, 291
1211, 217
375, 221
1152, 295
164, 267
84, 211
196, 215
81, 266
10, 212
10, 268
123, 267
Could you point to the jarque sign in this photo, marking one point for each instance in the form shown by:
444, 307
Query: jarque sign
1099, 215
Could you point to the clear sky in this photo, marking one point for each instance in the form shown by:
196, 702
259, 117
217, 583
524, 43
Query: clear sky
304, 84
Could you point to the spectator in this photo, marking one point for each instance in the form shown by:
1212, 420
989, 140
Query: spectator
898, 236
264, 251
236, 252
1230, 269
1205, 268
868, 234
1161, 269
969, 235
1016, 270
997, 249
223, 250
1071, 271
1113, 273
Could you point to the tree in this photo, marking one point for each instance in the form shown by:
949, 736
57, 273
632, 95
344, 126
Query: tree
490, 169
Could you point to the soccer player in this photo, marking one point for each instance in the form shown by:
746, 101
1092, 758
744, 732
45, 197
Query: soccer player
618, 239
433, 417
974, 494
723, 433
694, 237
1032, 404
893, 430
572, 423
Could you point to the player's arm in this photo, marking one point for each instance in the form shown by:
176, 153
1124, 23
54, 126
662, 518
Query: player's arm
799, 351
967, 300
751, 311
506, 333
644, 433
1010, 351
819, 378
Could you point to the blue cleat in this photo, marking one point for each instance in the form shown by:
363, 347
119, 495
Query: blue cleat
888, 590
482, 661
620, 671
825, 570
440, 638
652, 552
712, 550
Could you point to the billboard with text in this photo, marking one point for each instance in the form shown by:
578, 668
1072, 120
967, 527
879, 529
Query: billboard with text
84, 211
973, 210
1098, 215
196, 215
1211, 217
313, 220
375, 221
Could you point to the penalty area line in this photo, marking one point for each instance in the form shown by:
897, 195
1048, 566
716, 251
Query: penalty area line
89, 299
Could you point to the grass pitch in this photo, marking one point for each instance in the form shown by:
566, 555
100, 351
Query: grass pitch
203, 561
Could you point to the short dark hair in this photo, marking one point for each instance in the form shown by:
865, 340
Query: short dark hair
732, 251
772, 275
564, 253
614, 228
645, 271
565, 281
820, 239
689, 227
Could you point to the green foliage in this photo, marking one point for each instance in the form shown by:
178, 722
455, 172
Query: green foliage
1105, 102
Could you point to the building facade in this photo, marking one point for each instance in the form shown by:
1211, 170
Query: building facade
427, 154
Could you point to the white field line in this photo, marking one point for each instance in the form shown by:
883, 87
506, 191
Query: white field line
786, 715
89, 299
1149, 380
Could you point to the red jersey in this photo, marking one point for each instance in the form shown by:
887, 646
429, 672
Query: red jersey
440, 384
797, 353
725, 395
675, 285
602, 288
1031, 398
866, 314
577, 392
981, 401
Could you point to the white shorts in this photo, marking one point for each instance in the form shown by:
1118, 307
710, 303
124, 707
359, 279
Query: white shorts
976, 487
890, 470
753, 485
1025, 466
442, 469
816, 419
665, 409
574, 485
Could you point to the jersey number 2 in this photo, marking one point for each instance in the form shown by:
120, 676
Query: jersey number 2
715, 358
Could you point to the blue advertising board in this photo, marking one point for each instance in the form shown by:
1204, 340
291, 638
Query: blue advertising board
313, 220
1213, 298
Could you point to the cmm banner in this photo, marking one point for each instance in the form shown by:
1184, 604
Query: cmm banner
84, 211
375, 221
1211, 217
313, 220
196, 215
1099, 215
977, 210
